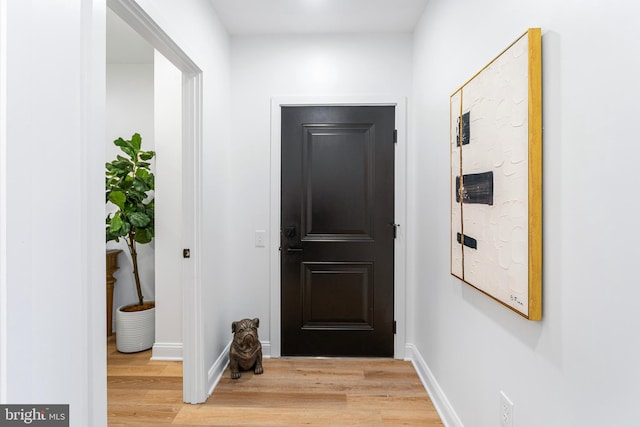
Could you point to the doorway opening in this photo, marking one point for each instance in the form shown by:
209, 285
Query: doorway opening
190, 184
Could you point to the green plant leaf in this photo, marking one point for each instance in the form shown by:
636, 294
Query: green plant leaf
142, 173
144, 235
125, 229
116, 223
149, 209
121, 166
139, 219
120, 142
139, 184
118, 198
147, 155
111, 236
125, 146
135, 197
130, 151
116, 238
136, 141
112, 183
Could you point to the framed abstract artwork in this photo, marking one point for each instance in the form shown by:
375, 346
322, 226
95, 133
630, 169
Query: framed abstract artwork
496, 178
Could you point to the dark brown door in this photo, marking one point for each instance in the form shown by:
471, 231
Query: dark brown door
337, 231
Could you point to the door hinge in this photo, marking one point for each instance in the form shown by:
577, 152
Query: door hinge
395, 327
395, 229
395, 136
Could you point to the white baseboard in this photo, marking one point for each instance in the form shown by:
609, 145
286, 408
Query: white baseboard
217, 369
445, 410
266, 349
167, 351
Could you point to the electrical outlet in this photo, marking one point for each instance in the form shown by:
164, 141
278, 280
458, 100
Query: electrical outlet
506, 410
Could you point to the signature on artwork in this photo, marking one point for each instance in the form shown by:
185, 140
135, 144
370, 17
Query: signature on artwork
517, 300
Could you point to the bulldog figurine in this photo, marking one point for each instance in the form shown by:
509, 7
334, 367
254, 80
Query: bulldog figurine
246, 350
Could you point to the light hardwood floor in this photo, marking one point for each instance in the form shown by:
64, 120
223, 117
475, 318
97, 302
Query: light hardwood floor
291, 392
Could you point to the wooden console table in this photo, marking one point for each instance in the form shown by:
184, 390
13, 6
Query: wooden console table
112, 266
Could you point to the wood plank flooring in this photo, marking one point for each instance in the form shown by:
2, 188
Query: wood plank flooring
291, 392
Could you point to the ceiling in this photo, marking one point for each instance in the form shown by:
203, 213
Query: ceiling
250, 17
243, 17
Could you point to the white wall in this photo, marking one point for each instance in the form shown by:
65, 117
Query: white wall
168, 220
579, 365
264, 67
52, 230
130, 107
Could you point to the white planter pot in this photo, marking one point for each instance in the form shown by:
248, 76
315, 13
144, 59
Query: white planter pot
135, 331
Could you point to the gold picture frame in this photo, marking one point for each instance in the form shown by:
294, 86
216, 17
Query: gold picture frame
496, 178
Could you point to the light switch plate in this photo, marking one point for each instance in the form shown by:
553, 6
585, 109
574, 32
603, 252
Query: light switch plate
261, 238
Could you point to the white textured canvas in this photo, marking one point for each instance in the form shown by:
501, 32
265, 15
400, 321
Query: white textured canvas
497, 105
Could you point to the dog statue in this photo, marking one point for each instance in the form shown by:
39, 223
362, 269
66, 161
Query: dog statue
246, 350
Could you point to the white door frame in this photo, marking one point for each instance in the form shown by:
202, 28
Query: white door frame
400, 257
194, 374
3, 201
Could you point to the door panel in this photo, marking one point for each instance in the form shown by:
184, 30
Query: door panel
337, 182
337, 296
337, 235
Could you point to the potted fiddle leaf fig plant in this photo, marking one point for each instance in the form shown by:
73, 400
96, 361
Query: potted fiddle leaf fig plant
130, 186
